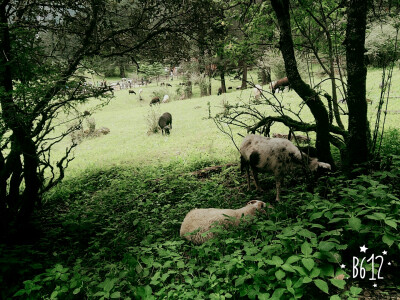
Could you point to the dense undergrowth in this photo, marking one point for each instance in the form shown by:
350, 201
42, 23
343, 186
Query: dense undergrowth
115, 234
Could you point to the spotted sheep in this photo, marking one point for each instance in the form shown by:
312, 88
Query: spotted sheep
277, 155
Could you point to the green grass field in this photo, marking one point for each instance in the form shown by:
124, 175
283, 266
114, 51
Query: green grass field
194, 136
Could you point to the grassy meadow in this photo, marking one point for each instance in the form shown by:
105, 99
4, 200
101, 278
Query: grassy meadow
194, 135
111, 229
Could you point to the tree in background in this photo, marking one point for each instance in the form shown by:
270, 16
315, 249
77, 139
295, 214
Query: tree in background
43, 51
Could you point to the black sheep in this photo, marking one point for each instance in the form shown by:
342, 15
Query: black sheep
219, 91
155, 100
165, 123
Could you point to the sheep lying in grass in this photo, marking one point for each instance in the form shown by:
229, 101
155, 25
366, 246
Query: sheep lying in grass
277, 155
202, 220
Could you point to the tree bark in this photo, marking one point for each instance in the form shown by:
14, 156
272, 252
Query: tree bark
309, 96
244, 76
359, 131
223, 83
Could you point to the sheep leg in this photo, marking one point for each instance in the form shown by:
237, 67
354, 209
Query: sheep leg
255, 176
278, 183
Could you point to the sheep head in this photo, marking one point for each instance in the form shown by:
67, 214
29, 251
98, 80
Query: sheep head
258, 205
315, 164
167, 129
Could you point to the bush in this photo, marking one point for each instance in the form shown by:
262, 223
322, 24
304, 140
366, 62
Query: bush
152, 119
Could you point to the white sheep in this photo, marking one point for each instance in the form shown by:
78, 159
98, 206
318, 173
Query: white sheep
277, 155
257, 91
165, 99
202, 220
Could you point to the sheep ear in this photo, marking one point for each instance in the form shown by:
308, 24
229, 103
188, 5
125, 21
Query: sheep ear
251, 202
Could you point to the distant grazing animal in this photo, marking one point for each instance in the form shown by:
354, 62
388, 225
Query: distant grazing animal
257, 91
162, 83
239, 87
86, 113
219, 91
165, 99
229, 88
165, 123
277, 155
203, 219
168, 84
280, 84
132, 92
155, 100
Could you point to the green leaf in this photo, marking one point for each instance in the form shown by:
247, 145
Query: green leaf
306, 233
334, 297
76, 291
388, 240
240, 281
391, 223
279, 274
115, 295
355, 223
180, 264
307, 279
326, 246
322, 285
308, 263
316, 215
292, 259
338, 283
306, 249
275, 261
355, 290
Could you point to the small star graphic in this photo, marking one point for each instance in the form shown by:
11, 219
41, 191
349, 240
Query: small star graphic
375, 285
363, 249
384, 252
389, 263
343, 266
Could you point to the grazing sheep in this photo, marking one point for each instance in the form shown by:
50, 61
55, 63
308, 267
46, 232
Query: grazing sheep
165, 99
219, 91
155, 100
229, 88
257, 91
165, 123
205, 218
238, 87
132, 92
168, 85
162, 83
86, 113
277, 155
280, 84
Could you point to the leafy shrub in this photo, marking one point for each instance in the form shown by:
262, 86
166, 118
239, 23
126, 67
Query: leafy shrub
116, 234
152, 119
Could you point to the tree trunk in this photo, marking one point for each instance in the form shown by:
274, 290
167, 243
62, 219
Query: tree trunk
265, 76
122, 73
309, 96
244, 76
359, 131
223, 84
